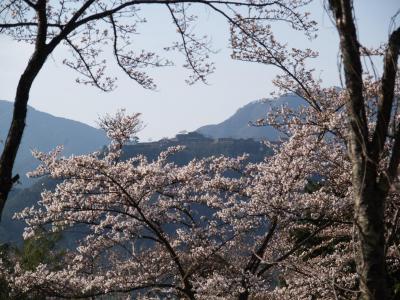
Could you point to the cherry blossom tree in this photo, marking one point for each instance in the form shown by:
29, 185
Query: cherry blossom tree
328, 127
154, 228
85, 27
373, 135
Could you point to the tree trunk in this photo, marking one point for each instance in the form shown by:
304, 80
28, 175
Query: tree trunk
369, 198
369, 219
17, 126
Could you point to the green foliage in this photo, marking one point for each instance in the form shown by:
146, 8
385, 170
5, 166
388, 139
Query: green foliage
42, 248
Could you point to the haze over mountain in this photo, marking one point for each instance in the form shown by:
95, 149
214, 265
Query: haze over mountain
237, 126
44, 132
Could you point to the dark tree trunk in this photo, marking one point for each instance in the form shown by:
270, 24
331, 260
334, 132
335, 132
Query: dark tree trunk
369, 204
17, 126
369, 187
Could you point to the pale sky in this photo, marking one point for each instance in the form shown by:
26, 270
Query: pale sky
175, 106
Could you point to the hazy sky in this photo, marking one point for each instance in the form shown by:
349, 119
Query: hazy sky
176, 106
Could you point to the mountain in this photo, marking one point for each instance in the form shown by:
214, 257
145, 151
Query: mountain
196, 146
233, 137
44, 132
237, 126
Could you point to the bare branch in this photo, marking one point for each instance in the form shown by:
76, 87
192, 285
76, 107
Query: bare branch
255, 257
294, 249
31, 4
19, 24
188, 52
94, 79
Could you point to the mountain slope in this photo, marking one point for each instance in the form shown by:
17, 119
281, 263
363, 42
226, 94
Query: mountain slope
44, 132
237, 126
196, 146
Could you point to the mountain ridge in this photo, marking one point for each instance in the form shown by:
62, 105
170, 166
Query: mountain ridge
44, 132
237, 125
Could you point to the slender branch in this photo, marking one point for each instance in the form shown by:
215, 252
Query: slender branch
157, 231
86, 64
19, 24
310, 98
31, 4
255, 259
71, 25
294, 249
25, 24
185, 47
107, 13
